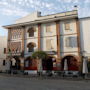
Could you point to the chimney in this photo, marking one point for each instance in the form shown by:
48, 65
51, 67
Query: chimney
38, 14
75, 7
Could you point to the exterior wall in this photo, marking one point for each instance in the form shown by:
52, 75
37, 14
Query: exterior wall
68, 33
85, 36
33, 39
16, 40
58, 36
48, 35
3, 44
29, 18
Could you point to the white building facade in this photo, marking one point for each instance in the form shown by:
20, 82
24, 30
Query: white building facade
62, 36
4, 64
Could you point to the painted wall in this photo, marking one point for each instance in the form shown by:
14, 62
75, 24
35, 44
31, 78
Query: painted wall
48, 35
31, 39
3, 44
85, 35
68, 33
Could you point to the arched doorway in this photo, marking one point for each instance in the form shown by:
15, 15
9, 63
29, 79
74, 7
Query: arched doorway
72, 63
48, 63
30, 64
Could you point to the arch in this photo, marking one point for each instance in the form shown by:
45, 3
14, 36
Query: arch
72, 62
76, 57
31, 46
30, 64
31, 31
48, 63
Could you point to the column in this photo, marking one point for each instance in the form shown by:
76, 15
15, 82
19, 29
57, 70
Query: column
78, 36
78, 43
58, 39
9, 38
23, 48
23, 39
39, 37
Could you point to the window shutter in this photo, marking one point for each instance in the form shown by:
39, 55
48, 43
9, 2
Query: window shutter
4, 50
52, 47
67, 42
48, 28
71, 42
67, 25
74, 42
48, 44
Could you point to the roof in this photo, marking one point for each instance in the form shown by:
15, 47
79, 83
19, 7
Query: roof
47, 18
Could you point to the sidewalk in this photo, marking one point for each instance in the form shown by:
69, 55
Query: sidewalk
43, 77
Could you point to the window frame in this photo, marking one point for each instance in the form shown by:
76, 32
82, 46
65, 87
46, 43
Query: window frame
48, 28
67, 25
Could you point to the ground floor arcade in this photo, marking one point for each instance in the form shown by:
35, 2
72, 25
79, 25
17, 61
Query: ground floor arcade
73, 63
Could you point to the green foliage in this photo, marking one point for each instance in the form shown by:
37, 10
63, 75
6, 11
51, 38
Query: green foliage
39, 54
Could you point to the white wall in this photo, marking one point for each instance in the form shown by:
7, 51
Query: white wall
52, 35
48, 35
31, 17
68, 33
3, 44
85, 35
31, 39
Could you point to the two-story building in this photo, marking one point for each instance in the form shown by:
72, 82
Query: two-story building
62, 36
4, 62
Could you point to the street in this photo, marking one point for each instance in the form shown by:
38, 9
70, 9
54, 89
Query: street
18, 83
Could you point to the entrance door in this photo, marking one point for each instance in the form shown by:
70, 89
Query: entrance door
71, 62
49, 64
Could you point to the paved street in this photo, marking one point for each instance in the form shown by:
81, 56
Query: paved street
15, 83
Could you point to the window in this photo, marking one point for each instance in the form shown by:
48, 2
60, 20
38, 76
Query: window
48, 28
31, 31
67, 42
67, 25
16, 33
15, 46
4, 62
49, 44
4, 50
31, 47
71, 42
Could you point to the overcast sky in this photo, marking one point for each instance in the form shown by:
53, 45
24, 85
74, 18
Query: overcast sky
10, 10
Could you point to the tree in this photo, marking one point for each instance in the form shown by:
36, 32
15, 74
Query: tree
39, 55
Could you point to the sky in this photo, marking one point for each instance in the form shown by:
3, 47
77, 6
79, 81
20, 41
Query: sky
11, 10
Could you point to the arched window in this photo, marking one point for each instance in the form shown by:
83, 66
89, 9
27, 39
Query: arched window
31, 32
31, 46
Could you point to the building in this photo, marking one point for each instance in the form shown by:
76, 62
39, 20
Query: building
4, 64
62, 36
